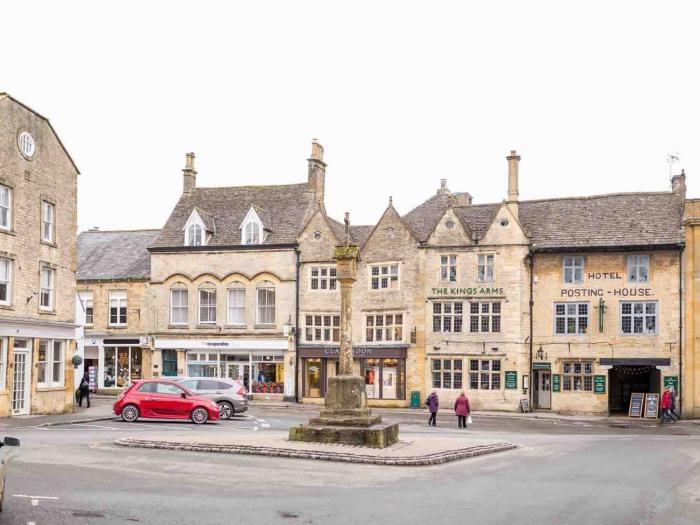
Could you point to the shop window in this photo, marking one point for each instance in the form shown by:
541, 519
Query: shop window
46, 294
266, 303
5, 281
312, 378
117, 307
5, 207
638, 317
484, 272
207, 304
577, 376
3, 362
47, 222
128, 362
485, 374
323, 278
50, 366
484, 317
269, 375
447, 373
86, 301
179, 298
384, 378
638, 268
322, 328
571, 318
573, 269
110, 367
383, 328
236, 304
384, 277
448, 268
447, 316
202, 365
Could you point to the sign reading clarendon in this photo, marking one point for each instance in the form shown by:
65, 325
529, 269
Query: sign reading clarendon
358, 352
475, 290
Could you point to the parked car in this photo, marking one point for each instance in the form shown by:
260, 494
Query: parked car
4, 457
164, 400
229, 394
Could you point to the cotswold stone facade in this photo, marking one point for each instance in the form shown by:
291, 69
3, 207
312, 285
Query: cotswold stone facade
38, 192
690, 393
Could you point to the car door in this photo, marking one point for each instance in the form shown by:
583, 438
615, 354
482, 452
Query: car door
169, 402
208, 388
144, 397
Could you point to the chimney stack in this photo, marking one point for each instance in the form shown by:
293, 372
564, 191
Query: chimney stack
189, 175
443, 187
678, 183
513, 160
317, 172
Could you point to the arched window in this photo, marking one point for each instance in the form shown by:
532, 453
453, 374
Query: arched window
236, 304
178, 304
266, 303
194, 236
207, 304
252, 233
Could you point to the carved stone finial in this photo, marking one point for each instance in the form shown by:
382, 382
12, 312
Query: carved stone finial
347, 229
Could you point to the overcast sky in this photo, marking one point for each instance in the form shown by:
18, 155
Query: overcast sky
401, 94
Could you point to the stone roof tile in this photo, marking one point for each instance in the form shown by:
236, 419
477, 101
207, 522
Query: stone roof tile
116, 255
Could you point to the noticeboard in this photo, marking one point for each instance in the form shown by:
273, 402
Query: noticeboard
511, 379
671, 381
525, 405
556, 383
636, 404
651, 406
599, 384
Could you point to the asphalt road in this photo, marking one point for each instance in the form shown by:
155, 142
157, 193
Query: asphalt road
563, 472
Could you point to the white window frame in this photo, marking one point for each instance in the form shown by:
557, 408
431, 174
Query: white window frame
572, 311
323, 278
209, 306
570, 377
118, 299
448, 268
6, 279
448, 316
6, 207
236, 312
643, 316
571, 266
387, 276
489, 311
444, 373
194, 225
638, 264
385, 328
485, 267
86, 299
247, 229
485, 374
322, 328
49, 364
179, 288
48, 222
262, 311
47, 287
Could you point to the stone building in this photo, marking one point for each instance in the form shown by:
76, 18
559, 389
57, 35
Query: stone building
38, 194
690, 384
114, 293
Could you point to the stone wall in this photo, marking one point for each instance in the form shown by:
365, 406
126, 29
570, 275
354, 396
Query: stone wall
691, 274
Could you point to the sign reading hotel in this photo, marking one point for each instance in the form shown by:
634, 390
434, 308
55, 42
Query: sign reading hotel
476, 290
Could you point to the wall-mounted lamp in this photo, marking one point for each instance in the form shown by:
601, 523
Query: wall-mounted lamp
540, 354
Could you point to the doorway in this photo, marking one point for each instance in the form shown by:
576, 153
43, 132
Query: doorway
21, 377
239, 372
626, 380
543, 389
169, 363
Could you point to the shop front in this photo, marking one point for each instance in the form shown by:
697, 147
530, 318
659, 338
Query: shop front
632, 376
258, 364
383, 369
115, 362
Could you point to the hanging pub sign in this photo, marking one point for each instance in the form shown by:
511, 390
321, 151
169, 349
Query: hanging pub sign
599, 384
511, 379
651, 406
636, 404
556, 383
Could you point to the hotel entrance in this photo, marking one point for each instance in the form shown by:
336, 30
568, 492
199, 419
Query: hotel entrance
542, 385
625, 380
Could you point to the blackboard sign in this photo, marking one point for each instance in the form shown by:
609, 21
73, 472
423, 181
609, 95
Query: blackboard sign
636, 404
511, 379
671, 381
599, 384
525, 405
556, 383
651, 406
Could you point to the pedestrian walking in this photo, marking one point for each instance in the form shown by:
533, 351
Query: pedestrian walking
84, 390
675, 416
462, 410
433, 404
666, 405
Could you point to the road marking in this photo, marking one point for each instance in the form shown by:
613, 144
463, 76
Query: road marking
34, 497
265, 425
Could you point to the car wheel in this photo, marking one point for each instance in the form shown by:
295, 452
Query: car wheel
130, 413
225, 410
200, 416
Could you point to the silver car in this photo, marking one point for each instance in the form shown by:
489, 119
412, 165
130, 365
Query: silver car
229, 394
4, 456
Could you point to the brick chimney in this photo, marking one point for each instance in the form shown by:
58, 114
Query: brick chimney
678, 183
189, 175
513, 160
317, 172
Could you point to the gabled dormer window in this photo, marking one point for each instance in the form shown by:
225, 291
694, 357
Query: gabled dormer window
195, 233
252, 231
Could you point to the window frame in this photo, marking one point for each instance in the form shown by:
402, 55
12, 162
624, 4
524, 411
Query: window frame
330, 281
634, 265
566, 316
489, 263
50, 362
48, 219
115, 295
380, 276
7, 227
448, 268
480, 369
643, 315
8, 282
322, 328
568, 379
450, 370
235, 286
207, 288
375, 328
51, 288
86, 296
494, 319
267, 287
452, 315
179, 288
248, 240
573, 267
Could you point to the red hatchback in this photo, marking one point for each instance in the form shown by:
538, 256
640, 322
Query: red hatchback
164, 400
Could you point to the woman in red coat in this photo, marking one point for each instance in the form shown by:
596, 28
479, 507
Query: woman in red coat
462, 410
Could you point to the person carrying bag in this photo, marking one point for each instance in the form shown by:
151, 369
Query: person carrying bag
462, 410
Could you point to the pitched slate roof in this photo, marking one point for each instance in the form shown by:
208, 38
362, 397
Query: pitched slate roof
115, 254
613, 220
284, 209
358, 233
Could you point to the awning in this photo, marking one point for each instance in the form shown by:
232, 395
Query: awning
635, 361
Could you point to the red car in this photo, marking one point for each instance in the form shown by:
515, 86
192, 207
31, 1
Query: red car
164, 400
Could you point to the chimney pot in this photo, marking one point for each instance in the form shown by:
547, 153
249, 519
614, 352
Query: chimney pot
189, 175
443, 187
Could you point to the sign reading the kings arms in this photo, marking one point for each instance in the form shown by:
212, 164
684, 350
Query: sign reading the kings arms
475, 290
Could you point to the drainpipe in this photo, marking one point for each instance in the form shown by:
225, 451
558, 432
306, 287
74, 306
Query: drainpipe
296, 331
680, 332
532, 303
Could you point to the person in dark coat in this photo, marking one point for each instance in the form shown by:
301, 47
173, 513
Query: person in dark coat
672, 409
84, 390
462, 410
433, 404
